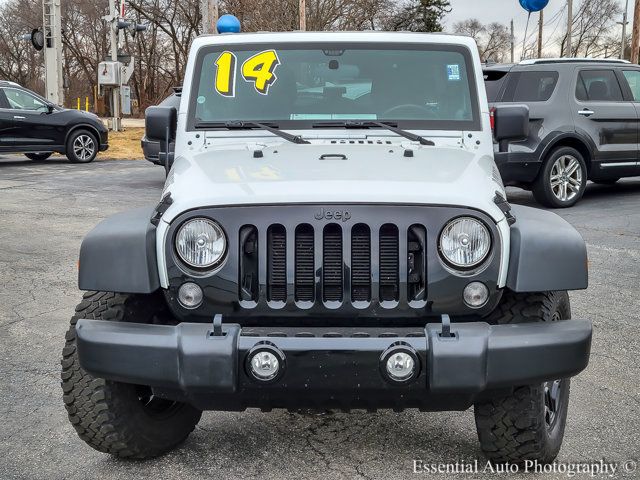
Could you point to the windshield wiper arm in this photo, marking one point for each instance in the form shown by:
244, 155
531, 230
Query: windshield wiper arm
403, 133
371, 123
241, 124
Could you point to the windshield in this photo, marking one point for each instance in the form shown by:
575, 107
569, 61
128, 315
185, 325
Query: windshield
302, 85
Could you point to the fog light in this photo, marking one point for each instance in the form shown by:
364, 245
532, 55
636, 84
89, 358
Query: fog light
475, 294
400, 363
265, 362
190, 295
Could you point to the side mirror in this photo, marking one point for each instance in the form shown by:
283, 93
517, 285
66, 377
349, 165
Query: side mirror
160, 125
50, 108
511, 123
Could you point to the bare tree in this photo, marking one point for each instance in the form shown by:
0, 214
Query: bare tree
593, 25
494, 39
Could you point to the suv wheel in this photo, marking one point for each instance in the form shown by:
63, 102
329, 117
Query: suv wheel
82, 147
39, 156
563, 179
527, 424
122, 419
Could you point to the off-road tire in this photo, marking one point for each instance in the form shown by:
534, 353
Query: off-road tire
542, 188
110, 416
39, 156
513, 428
71, 151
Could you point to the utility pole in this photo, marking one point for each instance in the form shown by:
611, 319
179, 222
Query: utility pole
635, 37
623, 43
114, 34
52, 30
540, 27
302, 12
209, 9
513, 44
569, 27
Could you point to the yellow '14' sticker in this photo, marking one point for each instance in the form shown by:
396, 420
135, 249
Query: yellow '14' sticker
258, 69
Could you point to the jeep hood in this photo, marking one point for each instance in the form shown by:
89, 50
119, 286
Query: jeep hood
333, 173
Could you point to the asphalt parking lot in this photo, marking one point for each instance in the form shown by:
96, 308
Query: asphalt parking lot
46, 208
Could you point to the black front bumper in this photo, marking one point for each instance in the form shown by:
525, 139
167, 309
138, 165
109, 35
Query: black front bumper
339, 368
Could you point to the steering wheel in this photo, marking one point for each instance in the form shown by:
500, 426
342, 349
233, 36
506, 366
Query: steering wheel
413, 109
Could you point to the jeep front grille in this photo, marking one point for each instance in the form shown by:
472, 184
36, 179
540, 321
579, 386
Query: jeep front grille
333, 265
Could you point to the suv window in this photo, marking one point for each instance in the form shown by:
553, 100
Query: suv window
598, 86
530, 86
493, 82
21, 100
633, 79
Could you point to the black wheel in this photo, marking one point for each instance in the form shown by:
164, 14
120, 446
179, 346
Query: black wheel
562, 180
529, 423
121, 419
82, 147
607, 181
39, 156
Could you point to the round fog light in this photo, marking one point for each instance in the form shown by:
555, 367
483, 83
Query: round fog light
475, 294
190, 295
400, 366
264, 365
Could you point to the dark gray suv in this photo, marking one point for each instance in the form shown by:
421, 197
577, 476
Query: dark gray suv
584, 122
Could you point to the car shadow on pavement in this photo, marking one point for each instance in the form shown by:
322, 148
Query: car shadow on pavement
614, 193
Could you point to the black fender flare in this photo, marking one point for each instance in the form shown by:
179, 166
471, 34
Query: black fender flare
556, 137
546, 253
119, 254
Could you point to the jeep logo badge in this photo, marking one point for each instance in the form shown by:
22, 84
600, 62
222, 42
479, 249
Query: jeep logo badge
323, 214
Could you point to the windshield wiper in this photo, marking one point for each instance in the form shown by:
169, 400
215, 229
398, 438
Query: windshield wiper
241, 124
369, 123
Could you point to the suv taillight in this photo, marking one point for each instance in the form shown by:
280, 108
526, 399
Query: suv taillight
492, 118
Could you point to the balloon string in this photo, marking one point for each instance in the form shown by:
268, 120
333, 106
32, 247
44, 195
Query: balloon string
524, 40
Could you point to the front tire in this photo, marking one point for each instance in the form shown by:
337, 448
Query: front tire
121, 419
529, 423
563, 179
82, 147
39, 156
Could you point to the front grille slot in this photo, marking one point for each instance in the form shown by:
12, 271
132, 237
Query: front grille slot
416, 263
361, 263
389, 275
304, 266
277, 264
332, 263
248, 264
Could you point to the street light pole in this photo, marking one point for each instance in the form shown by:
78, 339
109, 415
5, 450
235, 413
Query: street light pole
623, 43
569, 27
113, 39
635, 37
540, 27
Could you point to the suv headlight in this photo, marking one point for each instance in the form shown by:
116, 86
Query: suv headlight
201, 243
465, 242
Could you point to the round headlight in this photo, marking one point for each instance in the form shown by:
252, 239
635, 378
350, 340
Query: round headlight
465, 242
201, 243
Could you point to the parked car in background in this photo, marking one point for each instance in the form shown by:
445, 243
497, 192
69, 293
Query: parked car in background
151, 148
584, 122
32, 125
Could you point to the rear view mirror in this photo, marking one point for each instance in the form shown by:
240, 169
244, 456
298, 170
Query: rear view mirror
511, 123
160, 125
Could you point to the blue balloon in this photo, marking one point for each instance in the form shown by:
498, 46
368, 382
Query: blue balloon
228, 24
533, 5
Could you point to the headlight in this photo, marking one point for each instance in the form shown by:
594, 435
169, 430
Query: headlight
201, 243
465, 242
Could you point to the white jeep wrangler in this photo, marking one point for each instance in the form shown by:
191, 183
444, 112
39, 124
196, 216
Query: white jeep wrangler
333, 234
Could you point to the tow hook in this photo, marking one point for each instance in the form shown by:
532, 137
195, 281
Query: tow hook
446, 328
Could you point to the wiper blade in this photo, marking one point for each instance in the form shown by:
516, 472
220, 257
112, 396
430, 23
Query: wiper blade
241, 124
369, 123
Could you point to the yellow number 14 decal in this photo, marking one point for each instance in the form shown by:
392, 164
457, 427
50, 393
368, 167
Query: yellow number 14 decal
258, 69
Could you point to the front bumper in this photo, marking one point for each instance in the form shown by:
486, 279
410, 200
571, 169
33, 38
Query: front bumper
337, 368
